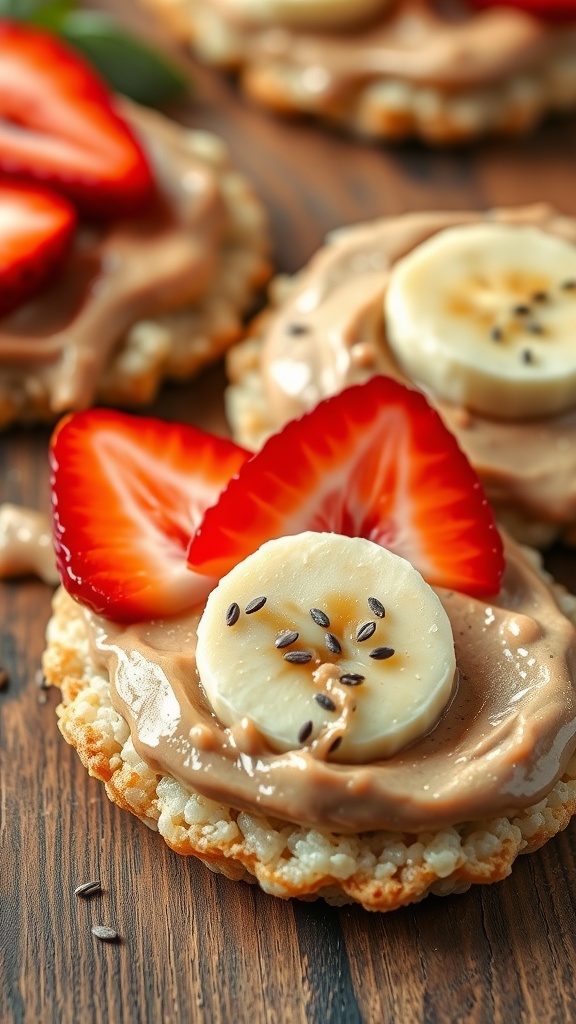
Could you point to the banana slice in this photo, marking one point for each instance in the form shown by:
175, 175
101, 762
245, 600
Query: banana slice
307, 13
484, 315
329, 642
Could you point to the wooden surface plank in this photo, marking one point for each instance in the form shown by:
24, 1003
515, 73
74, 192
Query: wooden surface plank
194, 946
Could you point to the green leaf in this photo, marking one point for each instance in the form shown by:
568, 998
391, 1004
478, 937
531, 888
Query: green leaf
130, 66
28, 10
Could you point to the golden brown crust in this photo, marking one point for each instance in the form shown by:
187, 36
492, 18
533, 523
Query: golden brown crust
381, 871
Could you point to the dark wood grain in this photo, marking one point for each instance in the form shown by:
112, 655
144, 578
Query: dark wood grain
194, 946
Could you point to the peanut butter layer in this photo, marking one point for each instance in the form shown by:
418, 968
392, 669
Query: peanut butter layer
443, 43
503, 742
329, 332
119, 273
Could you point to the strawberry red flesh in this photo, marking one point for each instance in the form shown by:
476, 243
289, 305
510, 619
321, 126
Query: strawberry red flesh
553, 9
36, 228
58, 126
375, 461
127, 493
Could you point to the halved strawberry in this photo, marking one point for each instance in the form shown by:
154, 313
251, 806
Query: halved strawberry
540, 8
58, 125
127, 493
36, 228
374, 461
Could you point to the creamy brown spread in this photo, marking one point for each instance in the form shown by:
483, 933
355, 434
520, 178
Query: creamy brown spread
502, 743
330, 333
443, 43
119, 273
26, 544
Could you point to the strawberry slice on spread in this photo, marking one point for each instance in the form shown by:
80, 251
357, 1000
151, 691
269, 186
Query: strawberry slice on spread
540, 8
36, 228
58, 126
127, 493
374, 461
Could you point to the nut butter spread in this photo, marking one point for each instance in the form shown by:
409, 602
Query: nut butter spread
443, 43
330, 332
119, 273
502, 743
26, 544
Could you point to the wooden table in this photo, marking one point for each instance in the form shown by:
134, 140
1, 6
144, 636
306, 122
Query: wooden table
196, 947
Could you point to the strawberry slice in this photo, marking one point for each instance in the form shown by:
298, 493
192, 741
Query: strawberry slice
374, 461
36, 228
127, 493
540, 8
58, 125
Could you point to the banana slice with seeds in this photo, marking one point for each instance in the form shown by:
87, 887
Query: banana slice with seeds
307, 13
329, 641
484, 316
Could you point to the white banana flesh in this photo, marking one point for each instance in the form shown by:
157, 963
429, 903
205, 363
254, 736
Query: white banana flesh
351, 654
307, 13
484, 316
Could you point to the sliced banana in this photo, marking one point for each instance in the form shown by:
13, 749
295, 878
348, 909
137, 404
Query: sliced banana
307, 13
484, 315
328, 642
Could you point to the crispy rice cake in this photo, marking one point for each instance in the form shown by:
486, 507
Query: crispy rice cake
417, 68
229, 249
380, 870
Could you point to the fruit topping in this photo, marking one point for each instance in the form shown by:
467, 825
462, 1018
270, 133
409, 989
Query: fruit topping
347, 700
36, 228
58, 126
374, 461
484, 315
541, 8
127, 493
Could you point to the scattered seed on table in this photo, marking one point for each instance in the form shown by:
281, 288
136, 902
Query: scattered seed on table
88, 888
376, 607
320, 617
365, 631
332, 643
255, 605
297, 329
334, 746
381, 653
325, 701
232, 614
4, 679
289, 636
104, 933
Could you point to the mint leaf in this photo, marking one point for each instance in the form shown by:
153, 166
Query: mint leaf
36, 10
130, 66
